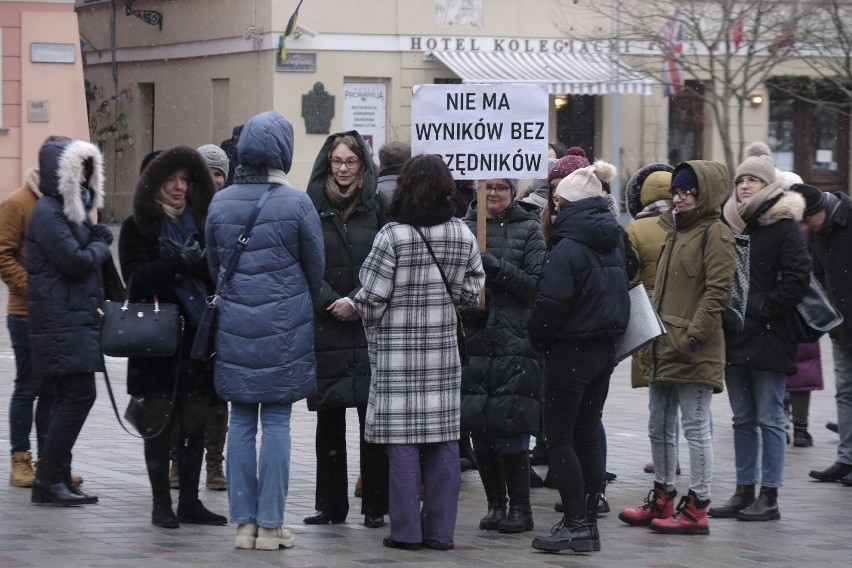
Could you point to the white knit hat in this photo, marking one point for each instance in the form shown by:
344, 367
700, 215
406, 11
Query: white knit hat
215, 157
585, 182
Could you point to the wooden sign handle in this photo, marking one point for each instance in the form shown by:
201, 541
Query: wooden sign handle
481, 197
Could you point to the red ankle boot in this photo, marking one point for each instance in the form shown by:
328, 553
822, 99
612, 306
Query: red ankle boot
690, 518
658, 505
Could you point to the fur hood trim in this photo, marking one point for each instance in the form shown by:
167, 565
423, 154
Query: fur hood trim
71, 170
31, 181
791, 205
147, 211
634, 186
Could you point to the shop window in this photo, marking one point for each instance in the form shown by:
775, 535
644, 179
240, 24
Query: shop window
686, 125
575, 123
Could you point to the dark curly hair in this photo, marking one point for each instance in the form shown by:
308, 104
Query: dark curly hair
424, 183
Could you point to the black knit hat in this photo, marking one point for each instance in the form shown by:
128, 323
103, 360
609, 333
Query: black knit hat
814, 198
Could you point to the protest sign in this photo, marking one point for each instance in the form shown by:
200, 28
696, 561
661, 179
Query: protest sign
483, 131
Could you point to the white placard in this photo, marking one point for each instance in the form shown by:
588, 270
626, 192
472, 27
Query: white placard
365, 110
483, 131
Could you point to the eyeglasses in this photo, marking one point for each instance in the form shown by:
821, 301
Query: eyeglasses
683, 193
497, 188
350, 164
748, 180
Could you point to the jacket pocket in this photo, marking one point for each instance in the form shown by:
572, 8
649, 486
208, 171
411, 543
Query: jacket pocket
674, 345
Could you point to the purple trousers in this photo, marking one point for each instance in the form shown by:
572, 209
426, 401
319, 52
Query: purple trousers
440, 475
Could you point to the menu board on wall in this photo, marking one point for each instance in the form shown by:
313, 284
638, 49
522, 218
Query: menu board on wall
365, 110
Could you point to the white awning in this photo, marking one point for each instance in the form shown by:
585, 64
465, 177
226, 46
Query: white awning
563, 73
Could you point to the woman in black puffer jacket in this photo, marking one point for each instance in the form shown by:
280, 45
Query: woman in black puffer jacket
501, 385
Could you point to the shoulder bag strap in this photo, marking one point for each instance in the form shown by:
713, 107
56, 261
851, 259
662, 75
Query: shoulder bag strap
243, 239
434, 258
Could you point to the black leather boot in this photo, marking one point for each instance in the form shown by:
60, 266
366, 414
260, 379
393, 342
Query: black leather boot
765, 508
190, 509
56, 493
157, 462
742, 498
491, 473
516, 469
568, 534
592, 505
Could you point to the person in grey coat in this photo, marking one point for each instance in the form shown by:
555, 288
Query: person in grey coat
265, 338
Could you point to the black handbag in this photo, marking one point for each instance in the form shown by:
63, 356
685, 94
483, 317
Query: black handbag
131, 329
204, 346
460, 336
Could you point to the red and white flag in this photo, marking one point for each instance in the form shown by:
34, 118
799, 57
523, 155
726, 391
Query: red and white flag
672, 75
738, 29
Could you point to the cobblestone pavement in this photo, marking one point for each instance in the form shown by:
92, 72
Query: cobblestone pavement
814, 530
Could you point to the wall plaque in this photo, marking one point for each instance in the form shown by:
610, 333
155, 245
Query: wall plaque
317, 110
297, 63
53, 52
38, 111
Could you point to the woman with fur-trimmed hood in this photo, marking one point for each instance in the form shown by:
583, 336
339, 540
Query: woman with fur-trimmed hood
761, 356
65, 288
161, 250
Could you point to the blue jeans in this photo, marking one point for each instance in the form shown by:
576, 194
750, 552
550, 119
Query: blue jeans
843, 384
27, 390
757, 403
694, 402
257, 487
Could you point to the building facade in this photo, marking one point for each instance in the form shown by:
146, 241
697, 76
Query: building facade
161, 73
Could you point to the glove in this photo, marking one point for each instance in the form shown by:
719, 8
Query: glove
103, 233
473, 314
694, 343
490, 264
189, 253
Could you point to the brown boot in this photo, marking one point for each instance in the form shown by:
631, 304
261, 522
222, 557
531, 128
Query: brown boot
359, 486
216, 477
22, 474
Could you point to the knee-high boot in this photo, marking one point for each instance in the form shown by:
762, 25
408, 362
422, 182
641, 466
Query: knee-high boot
491, 473
516, 468
190, 509
157, 462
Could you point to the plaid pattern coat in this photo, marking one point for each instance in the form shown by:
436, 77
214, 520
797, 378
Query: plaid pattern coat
411, 330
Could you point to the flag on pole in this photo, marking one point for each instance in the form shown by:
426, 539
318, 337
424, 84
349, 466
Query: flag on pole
738, 29
288, 31
785, 37
672, 75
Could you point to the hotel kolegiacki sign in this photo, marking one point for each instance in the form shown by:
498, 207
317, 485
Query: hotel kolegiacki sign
482, 131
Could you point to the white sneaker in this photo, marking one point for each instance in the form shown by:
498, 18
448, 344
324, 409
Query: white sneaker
273, 539
246, 536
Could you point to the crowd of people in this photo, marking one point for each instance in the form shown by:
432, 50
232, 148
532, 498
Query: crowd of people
366, 279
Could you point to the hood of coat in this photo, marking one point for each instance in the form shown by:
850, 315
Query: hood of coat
266, 140
63, 164
633, 191
320, 171
590, 222
148, 214
516, 211
713, 189
31, 180
790, 205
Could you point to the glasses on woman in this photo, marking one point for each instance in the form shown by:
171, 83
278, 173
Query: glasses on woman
500, 188
683, 193
350, 163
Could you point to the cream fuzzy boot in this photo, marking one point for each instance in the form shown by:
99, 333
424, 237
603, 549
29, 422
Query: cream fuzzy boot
246, 536
22, 474
273, 539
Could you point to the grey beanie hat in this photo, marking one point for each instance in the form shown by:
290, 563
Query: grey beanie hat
215, 157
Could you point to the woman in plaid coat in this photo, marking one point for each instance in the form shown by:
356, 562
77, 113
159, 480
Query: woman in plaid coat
410, 320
